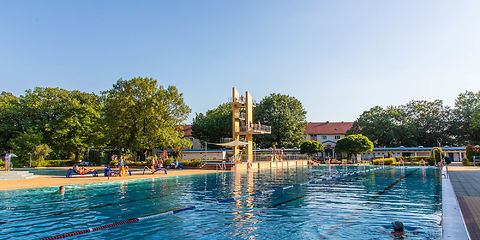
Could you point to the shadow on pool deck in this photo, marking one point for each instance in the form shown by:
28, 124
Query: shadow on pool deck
465, 181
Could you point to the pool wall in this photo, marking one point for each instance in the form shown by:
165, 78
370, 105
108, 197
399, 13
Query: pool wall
279, 164
453, 225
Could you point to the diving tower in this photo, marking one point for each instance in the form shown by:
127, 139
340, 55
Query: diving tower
242, 123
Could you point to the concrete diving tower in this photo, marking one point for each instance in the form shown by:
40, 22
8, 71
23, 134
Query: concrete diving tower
242, 123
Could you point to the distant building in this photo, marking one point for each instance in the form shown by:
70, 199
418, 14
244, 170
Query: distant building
327, 133
187, 133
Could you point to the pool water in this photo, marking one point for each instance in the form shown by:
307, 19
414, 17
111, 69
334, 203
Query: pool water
46, 172
352, 207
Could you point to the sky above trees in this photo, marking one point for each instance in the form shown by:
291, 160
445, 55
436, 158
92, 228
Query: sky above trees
339, 58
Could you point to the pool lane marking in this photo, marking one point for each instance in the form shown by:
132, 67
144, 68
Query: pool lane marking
194, 207
335, 227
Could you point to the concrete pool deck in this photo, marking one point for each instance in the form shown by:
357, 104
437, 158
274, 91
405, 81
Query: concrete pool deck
50, 181
465, 181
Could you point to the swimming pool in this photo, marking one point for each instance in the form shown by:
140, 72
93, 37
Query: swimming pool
352, 207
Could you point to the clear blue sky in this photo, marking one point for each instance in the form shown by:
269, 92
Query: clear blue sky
338, 57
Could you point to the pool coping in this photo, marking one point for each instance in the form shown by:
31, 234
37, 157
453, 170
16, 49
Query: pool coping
453, 223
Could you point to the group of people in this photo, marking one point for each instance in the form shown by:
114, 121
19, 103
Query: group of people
156, 163
121, 164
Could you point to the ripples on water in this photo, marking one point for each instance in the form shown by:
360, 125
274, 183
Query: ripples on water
350, 207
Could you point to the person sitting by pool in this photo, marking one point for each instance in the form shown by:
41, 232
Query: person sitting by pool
82, 170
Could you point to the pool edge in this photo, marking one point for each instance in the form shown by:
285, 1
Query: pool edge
453, 224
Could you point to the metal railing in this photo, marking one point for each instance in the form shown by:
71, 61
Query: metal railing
256, 128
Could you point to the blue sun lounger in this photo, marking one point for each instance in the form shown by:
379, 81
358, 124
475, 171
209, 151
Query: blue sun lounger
72, 171
156, 170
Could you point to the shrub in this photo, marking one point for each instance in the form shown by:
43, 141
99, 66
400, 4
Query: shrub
386, 161
472, 151
167, 161
466, 162
193, 163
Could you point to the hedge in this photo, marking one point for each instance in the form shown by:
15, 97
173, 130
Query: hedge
386, 161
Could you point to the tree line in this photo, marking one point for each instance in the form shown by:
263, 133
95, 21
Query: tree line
423, 123
136, 115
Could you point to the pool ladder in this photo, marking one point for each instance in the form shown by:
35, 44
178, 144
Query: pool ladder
221, 166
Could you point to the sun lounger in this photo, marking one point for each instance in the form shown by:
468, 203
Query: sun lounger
72, 171
152, 171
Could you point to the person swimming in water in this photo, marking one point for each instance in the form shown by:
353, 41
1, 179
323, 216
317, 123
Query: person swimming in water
398, 231
61, 190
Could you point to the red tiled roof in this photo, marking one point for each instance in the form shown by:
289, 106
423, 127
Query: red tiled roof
187, 130
327, 127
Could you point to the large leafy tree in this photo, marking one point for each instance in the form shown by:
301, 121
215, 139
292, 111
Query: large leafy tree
68, 121
474, 128
467, 105
140, 115
10, 124
286, 116
427, 123
378, 124
214, 124
353, 144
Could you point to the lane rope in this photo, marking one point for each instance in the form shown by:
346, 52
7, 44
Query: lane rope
227, 200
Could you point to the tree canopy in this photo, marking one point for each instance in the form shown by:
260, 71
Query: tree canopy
141, 115
214, 124
66, 121
311, 147
286, 116
466, 118
417, 123
353, 144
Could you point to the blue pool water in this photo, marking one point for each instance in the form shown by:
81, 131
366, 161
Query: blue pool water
49, 172
351, 207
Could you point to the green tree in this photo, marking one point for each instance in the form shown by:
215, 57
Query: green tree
178, 145
428, 122
39, 154
214, 124
466, 106
69, 121
474, 128
11, 119
286, 116
353, 144
140, 115
24, 144
311, 147
379, 125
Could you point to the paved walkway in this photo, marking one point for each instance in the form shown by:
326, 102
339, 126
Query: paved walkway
466, 184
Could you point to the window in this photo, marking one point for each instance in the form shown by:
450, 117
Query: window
337, 137
313, 137
324, 137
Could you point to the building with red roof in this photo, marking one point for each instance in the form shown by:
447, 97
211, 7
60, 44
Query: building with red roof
327, 133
